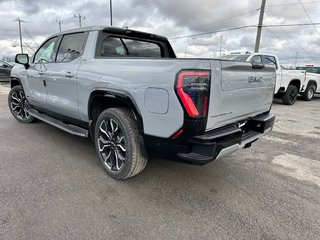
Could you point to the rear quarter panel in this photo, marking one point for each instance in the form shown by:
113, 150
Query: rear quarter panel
288, 75
139, 78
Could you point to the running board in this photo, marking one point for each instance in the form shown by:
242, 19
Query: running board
72, 129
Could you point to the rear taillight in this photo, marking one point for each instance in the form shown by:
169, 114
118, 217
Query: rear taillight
193, 90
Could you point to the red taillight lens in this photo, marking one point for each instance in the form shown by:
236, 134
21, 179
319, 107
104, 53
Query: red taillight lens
193, 90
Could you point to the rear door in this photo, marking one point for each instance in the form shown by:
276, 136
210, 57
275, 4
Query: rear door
238, 91
61, 76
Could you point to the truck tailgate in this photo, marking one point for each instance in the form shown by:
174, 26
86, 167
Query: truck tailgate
238, 92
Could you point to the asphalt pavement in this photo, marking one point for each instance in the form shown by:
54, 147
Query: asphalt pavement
52, 186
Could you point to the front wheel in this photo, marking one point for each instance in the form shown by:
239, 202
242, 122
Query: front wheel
17, 102
290, 96
116, 141
309, 93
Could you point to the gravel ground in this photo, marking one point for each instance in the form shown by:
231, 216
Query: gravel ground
52, 186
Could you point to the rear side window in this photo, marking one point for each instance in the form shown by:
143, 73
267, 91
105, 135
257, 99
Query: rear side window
123, 47
71, 47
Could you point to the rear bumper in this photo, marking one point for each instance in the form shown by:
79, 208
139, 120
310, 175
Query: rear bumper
223, 141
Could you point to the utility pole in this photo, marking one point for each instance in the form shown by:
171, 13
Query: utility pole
111, 13
185, 52
220, 45
80, 18
59, 22
263, 5
20, 34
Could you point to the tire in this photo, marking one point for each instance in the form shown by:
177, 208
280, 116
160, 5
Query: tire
17, 104
290, 97
308, 94
116, 141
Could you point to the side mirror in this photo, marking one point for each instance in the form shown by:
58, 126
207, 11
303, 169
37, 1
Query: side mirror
23, 59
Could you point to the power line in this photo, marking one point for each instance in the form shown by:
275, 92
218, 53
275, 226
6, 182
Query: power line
231, 17
274, 34
25, 29
291, 4
212, 32
309, 17
288, 35
292, 25
284, 31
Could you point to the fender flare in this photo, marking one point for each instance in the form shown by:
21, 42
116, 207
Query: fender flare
118, 96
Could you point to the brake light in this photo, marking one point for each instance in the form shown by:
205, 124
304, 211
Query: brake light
193, 90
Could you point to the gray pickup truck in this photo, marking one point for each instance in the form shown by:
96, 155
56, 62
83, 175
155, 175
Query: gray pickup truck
128, 92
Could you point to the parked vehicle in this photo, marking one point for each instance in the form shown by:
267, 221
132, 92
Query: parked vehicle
5, 70
312, 82
127, 90
289, 83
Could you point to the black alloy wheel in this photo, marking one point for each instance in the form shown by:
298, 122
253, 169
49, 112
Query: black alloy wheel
17, 102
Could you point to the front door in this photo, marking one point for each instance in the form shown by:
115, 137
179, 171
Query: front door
35, 89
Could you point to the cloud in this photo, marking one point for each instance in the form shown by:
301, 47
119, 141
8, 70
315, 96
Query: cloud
174, 18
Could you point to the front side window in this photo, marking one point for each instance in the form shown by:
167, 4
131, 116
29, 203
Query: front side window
44, 54
71, 47
123, 47
270, 60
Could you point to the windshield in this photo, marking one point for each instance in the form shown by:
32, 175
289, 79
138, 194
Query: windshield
236, 57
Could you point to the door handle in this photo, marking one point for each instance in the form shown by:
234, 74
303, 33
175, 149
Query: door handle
69, 74
41, 73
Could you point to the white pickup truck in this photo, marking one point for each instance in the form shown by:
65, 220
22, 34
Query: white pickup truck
312, 82
289, 83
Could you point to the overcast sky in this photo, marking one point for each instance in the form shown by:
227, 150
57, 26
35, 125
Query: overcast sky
175, 19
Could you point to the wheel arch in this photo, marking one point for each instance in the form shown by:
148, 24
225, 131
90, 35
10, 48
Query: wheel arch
312, 82
297, 83
101, 99
14, 82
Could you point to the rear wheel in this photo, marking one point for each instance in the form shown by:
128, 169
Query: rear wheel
290, 96
116, 141
17, 102
309, 93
